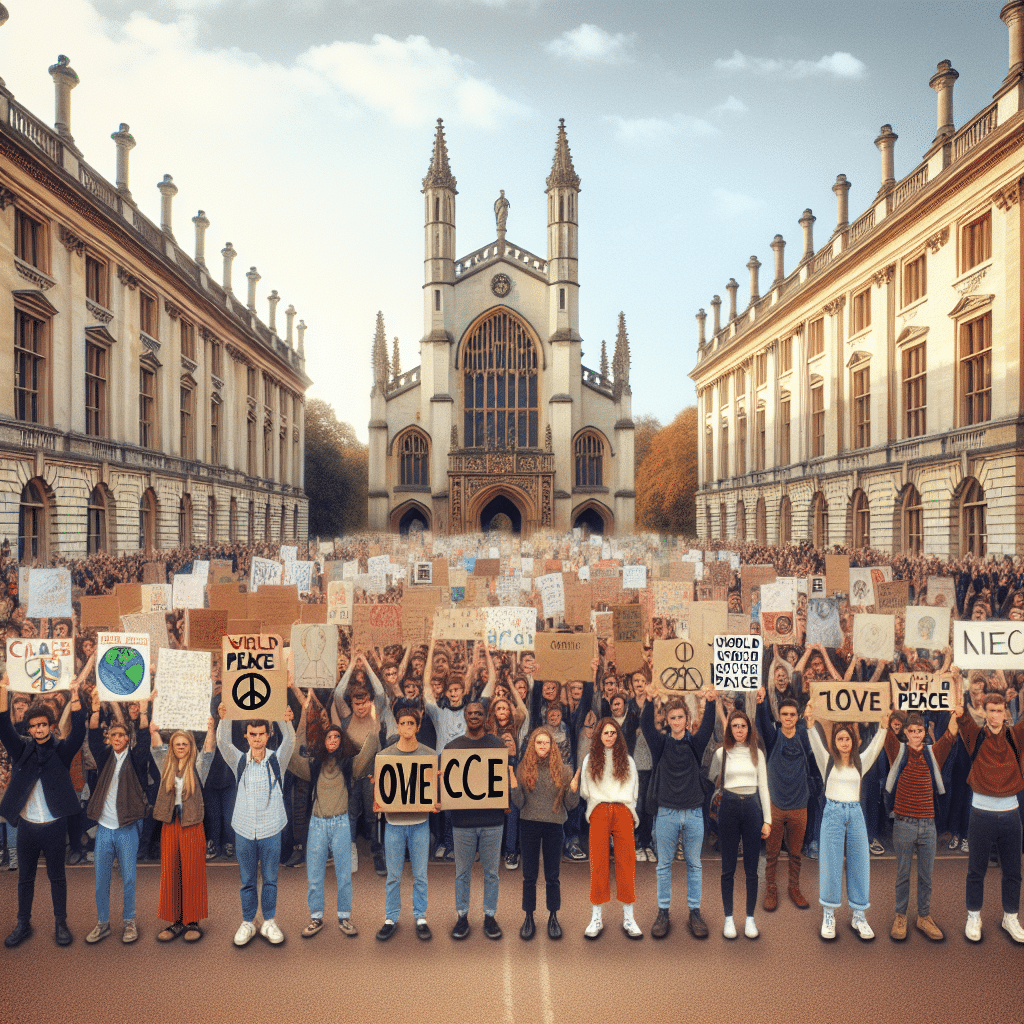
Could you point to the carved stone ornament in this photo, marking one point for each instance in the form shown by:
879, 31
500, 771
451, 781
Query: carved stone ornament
547, 438
501, 285
970, 284
833, 307
937, 241
71, 241
148, 343
1007, 196
189, 365
103, 315
971, 304
454, 444
33, 274
885, 275
206, 334
7, 197
128, 279
911, 314
171, 310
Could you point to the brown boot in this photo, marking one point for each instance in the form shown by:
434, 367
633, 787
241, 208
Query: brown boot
798, 897
929, 928
899, 928
771, 898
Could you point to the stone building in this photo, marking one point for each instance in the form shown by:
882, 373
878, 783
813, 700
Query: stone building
143, 405
874, 394
501, 424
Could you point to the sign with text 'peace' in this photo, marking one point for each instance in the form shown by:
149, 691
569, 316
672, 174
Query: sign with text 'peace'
922, 691
253, 676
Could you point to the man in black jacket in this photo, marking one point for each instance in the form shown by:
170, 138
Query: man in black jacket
41, 797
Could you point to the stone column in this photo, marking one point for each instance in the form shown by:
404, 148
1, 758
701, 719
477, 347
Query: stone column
201, 222
702, 319
754, 265
289, 318
942, 82
716, 313
1012, 15
778, 248
229, 254
732, 288
273, 298
125, 144
302, 338
64, 80
807, 224
168, 190
4, 15
253, 277
886, 143
842, 191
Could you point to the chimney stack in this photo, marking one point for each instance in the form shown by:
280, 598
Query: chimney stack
168, 190
716, 313
942, 82
702, 319
229, 254
202, 223
273, 298
842, 191
732, 288
125, 144
302, 339
886, 143
64, 80
754, 265
778, 248
1012, 15
253, 277
807, 223
289, 318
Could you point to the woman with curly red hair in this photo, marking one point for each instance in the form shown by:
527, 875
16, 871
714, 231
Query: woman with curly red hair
610, 787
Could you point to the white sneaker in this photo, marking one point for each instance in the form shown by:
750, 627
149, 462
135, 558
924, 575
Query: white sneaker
246, 930
828, 924
750, 929
652, 857
729, 929
973, 929
355, 858
1012, 926
860, 925
641, 857
271, 932
596, 925
629, 925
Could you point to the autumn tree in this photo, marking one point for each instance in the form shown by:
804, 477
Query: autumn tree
644, 429
337, 473
666, 480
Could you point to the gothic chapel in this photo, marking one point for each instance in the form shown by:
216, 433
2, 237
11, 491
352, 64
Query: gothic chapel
501, 425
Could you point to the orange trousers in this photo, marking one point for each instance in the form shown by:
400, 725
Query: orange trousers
612, 820
182, 873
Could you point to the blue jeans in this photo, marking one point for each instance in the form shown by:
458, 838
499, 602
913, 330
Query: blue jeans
122, 843
842, 825
667, 825
329, 835
467, 841
264, 854
908, 835
398, 839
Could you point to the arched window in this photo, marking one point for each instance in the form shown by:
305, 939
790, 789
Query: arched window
233, 520
147, 521
34, 523
707, 522
414, 459
589, 460
283, 521
819, 530
211, 519
972, 520
722, 520
96, 521
266, 521
295, 522
185, 521
861, 520
912, 526
785, 521
762, 522
741, 521
499, 363
252, 523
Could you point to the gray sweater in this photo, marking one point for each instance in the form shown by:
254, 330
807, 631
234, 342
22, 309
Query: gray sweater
537, 804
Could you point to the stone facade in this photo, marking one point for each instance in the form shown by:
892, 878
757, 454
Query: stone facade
874, 395
142, 405
501, 419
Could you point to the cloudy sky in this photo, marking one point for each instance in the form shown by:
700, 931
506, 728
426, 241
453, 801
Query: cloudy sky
699, 129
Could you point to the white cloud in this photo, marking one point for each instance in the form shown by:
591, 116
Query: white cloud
734, 204
410, 80
731, 105
593, 45
840, 64
654, 131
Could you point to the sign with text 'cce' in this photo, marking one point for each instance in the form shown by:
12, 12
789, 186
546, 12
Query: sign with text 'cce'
474, 779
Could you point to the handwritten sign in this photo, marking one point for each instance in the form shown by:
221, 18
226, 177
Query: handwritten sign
289, 553
891, 597
874, 637
472, 779
39, 666
927, 627
922, 691
634, 577
184, 687
339, 602
511, 628
188, 591
315, 655
988, 644
204, 628
376, 625
552, 593
837, 574
404, 783
254, 677
838, 701
264, 571
628, 634
299, 573
675, 667
671, 599
564, 656
737, 663
122, 666
156, 597
941, 592
823, 625
154, 624
459, 623
49, 594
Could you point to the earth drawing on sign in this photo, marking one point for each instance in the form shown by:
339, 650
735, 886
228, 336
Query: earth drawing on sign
122, 670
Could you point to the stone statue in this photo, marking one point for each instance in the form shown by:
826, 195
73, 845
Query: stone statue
501, 205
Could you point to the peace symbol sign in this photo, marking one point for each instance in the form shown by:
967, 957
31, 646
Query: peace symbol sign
682, 677
251, 691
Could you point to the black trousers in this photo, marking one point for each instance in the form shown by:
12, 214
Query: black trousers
739, 816
1001, 829
49, 840
535, 836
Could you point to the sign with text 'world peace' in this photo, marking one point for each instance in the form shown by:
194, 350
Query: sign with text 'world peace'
253, 675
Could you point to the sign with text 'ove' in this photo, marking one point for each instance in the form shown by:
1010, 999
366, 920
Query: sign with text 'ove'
469, 778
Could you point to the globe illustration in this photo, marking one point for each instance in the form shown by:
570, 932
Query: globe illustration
122, 670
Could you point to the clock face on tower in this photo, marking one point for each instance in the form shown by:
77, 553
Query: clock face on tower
501, 285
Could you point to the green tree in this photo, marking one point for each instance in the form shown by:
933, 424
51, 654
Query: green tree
337, 473
666, 482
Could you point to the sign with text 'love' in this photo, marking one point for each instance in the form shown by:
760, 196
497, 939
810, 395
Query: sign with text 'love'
839, 701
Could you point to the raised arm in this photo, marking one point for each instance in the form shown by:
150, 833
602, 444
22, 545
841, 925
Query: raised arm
231, 754
870, 754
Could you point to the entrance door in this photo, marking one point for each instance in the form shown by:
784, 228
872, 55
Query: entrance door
499, 513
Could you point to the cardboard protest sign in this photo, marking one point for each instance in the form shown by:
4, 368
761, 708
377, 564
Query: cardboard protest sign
892, 597
837, 574
154, 572
564, 656
634, 577
941, 592
299, 573
184, 687
188, 591
823, 626
681, 572
473, 778
460, 623
737, 663
275, 605
675, 668
511, 628
862, 588
601, 623
376, 625
753, 576
927, 627
552, 592
339, 602
49, 594
719, 573
628, 634
201, 570
227, 597
778, 613
874, 637
707, 620
439, 573
922, 691
315, 655
333, 571
486, 567
154, 625
40, 665
510, 588
264, 571
220, 571
578, 600
254, 678
122, 666
989, 644
313, 613
100, 612
204, 628
404, 782
739, 624
237, 626
129, 597
711, 592
670, 599
156, 597
418, 607
839, 701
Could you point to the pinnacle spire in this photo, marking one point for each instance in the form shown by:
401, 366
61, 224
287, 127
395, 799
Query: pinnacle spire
621, 360
439, 173
396, 360
604, 359
381, 367
562, 171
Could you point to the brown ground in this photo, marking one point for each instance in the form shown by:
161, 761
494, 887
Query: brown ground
789, 975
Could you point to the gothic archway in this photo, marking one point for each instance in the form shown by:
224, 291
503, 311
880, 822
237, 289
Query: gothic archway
595, 516
503, 513
406, 515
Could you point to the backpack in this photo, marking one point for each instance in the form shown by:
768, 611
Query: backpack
273, 765
893, 781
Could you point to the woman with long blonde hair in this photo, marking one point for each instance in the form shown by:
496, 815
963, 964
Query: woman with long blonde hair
179, 805
544, 789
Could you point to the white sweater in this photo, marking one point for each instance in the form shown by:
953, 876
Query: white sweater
743, 776
609, 790
843, 784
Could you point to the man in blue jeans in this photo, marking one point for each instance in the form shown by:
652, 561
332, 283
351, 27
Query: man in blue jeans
259, 818
675, 775
477, 831
406, 831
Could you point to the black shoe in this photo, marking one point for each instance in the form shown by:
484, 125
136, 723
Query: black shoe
387, 929
554, 928
379, 865
491, 928
22, 930
297, 859
229, 851
211, 850
698, 928
661, 924
62, 935
423, 932
529, 929
461, 929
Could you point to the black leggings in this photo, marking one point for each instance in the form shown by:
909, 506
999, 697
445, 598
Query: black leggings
534, 836
739, 817
49, 840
